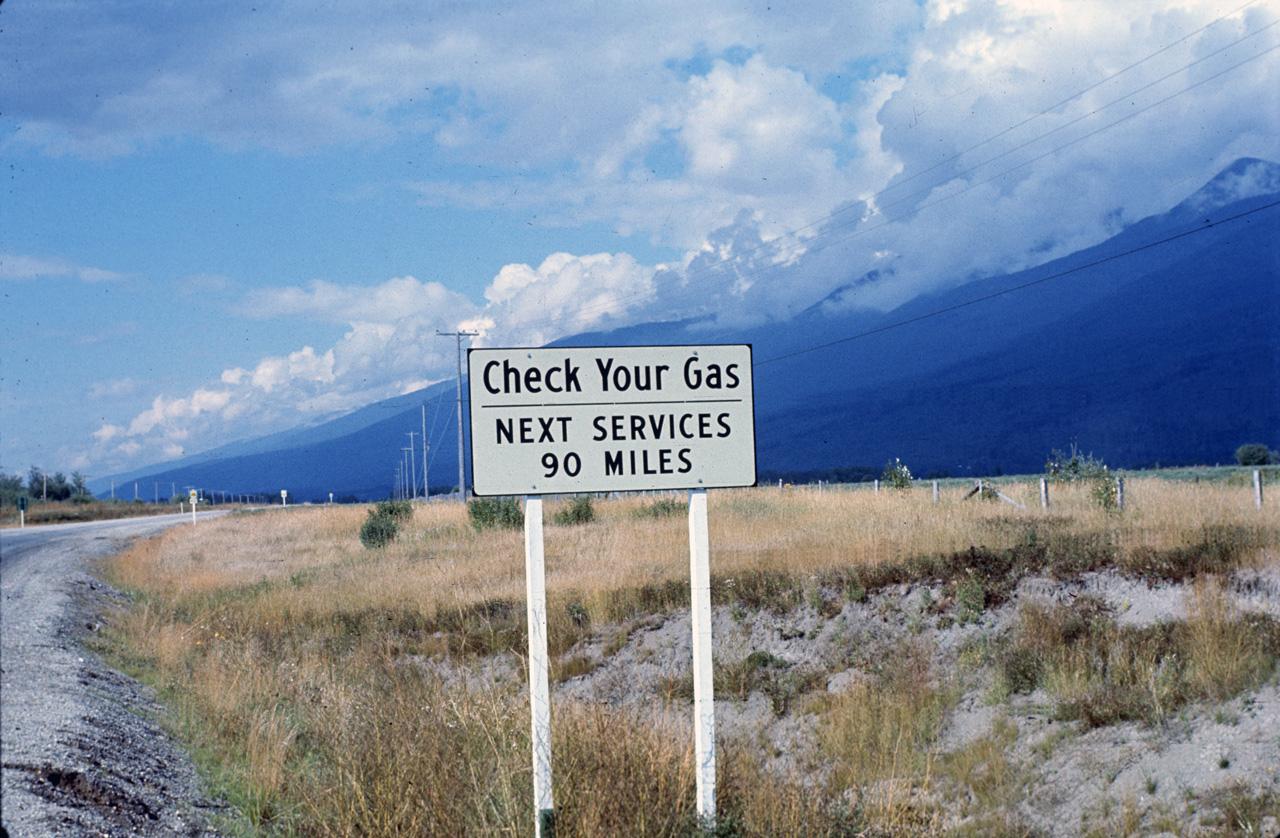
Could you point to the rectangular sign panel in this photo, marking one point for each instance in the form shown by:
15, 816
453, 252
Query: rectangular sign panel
611, 419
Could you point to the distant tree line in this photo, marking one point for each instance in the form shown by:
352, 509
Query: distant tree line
40, 485
1254, 454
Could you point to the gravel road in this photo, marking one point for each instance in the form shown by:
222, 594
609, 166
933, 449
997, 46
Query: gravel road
82, 752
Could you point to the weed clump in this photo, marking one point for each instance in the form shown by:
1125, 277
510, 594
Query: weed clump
383, 524
896, 475
400, 511
664, 508
1084, 469
1102, 673
579, 511
378, 530
495, 513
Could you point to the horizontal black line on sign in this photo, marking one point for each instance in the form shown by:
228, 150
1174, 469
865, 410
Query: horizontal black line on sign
608, 404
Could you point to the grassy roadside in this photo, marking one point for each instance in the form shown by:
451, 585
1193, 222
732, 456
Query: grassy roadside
334, 690
68, 512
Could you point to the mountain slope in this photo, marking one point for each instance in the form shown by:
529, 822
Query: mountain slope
1160, 344
1181, 364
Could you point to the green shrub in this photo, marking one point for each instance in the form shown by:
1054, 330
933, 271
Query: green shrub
1084, 468
487, 513
579, 511
1256, 455
1105, 492
896, 475
1061, 468
379, 530
664, 508
400, 511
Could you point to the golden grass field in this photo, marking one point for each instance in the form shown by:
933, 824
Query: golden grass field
291, 656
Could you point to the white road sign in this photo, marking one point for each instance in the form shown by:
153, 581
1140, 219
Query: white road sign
633, 418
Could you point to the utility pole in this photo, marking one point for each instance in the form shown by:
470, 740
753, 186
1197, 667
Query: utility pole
462, 480
413, 464
426, 487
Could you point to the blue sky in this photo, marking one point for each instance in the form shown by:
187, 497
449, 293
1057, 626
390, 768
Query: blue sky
221, 220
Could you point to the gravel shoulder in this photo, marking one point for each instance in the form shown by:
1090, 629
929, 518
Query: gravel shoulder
83, 753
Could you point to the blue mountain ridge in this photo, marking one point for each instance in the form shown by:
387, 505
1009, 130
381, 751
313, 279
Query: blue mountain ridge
1170, 353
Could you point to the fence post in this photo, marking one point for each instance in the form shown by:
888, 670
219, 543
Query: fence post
1044, 493
1257, 488
1119, 493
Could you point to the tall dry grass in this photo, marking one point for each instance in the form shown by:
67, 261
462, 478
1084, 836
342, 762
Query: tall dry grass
296, 659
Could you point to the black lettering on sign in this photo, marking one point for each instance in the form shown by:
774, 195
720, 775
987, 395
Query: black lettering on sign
505, 377
646, 461
712, 377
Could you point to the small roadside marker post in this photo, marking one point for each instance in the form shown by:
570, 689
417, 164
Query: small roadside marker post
588, 420
22, 511
193, 507
935, 491
1044, 493
284, 497
1257, 488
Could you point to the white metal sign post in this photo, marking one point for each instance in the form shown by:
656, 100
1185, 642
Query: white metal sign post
704, 706
194, 497
613, 419
539, 681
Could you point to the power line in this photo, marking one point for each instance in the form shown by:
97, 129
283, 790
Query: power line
1023, 286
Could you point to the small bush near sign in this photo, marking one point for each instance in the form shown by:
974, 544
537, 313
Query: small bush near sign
489, 513
400, 511
379, 530
665, 508
579, 511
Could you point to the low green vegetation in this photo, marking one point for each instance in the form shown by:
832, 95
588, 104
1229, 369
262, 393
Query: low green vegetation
495, 513
1100, 673
577, 511
661, 508
384, 522
896, 475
